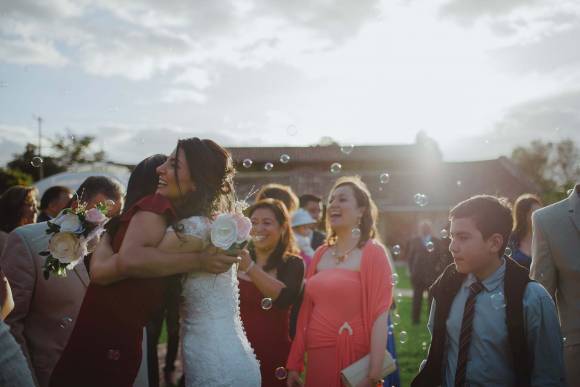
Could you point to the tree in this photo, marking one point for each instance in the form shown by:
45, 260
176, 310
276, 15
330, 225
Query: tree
10, 177
554, 167
24, 163
67, 149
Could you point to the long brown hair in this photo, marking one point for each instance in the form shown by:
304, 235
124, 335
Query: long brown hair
287, 243
12, 204
212, 170
362, 195
521, 211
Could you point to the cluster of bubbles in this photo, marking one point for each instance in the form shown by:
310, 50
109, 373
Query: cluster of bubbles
421, 199
395, 279
266, 303
36, 161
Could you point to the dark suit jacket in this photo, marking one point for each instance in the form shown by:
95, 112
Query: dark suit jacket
425, 266
318, 238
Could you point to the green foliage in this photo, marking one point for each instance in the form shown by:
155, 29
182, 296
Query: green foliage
67, 150
555, 167
11, 177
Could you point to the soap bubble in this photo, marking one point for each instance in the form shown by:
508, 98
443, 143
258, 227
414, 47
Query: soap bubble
508, 252
247, 163
421, 199
355, 232
281, 373
395, 279
292, 130
396, 318
284, 159
396, 249
497, 300
444, 233
430, 246
267, 303
384, 178
36, 161
403, 337
335, 168
347, 149
268, 167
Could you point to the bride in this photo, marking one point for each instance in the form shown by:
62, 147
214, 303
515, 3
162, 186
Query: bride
215, 349
195, 183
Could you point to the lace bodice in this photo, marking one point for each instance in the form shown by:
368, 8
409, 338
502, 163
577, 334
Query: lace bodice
196, 226
215, 348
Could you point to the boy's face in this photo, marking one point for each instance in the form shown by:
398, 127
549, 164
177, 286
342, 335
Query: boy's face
471, 253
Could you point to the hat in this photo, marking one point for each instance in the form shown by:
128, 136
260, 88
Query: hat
301, 217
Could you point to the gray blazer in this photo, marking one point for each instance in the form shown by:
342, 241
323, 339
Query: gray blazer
556, 259
45, 310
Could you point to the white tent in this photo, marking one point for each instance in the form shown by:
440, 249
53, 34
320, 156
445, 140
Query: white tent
74, 177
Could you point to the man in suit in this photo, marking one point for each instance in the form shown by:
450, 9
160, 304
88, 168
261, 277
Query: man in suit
45, 310
53, 201
424, 257
556, 265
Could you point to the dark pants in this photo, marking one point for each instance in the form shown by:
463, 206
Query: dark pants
418, 290
169, 313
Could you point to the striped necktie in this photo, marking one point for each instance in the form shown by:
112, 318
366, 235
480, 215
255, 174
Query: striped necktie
465, 337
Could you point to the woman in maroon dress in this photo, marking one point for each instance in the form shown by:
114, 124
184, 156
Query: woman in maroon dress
105, 346
271, 278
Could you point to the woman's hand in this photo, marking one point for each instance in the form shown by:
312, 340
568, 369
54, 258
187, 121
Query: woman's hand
8, 305
216, 261
246, 261
294, 379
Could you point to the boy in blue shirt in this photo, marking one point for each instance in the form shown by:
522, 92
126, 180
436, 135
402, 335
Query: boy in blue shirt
490, 324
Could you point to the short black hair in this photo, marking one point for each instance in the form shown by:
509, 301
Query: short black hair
491, 215
307, 198
52, 194
94, 185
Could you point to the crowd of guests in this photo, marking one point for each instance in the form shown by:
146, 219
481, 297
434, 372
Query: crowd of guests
315, 287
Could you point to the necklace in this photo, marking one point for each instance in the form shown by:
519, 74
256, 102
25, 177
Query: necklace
340, 258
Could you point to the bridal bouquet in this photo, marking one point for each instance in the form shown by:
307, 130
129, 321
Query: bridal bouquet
230, 231
72, 231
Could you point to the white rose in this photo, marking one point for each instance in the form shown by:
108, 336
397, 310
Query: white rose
65, 247
69, 223
224, 231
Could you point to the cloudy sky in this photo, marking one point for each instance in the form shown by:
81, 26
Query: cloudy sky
478, 76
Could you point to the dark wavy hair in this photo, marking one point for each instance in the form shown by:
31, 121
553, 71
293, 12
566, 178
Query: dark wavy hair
287, 243
368, 221
12, 204
521, 212
142, 182
212, 171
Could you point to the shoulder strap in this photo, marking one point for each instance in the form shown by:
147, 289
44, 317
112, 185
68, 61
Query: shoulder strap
443, 290
517, 278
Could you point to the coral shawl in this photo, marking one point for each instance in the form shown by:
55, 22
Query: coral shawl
375, 296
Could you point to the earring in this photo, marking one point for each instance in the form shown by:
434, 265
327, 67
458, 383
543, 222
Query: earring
356, 232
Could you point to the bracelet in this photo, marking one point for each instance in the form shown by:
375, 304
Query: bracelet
250, 266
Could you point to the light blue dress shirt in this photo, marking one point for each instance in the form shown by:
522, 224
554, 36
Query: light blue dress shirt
490, 357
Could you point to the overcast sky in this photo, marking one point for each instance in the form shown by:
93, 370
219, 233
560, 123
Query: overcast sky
478, 76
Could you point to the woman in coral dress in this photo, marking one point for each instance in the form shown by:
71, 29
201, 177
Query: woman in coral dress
347, 295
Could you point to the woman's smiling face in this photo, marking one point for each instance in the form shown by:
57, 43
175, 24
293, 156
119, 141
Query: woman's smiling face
174, 176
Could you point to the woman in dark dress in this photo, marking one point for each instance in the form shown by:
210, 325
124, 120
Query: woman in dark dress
271, 278
105, 345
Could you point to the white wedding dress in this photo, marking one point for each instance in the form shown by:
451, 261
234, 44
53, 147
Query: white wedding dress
215, 349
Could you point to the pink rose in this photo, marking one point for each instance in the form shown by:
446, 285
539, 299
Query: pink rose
95, 216
244, 228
